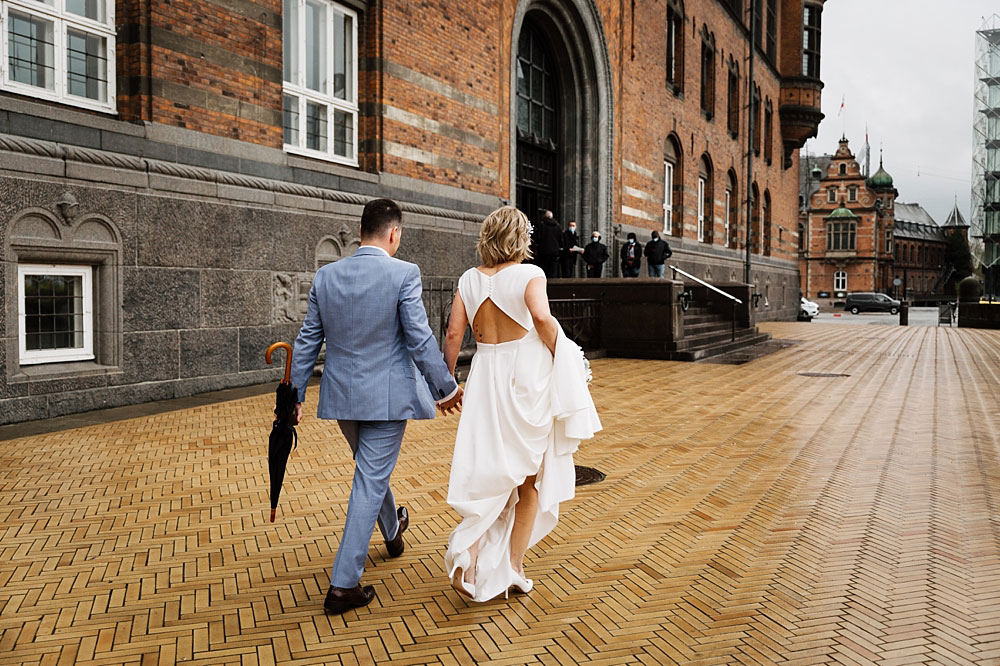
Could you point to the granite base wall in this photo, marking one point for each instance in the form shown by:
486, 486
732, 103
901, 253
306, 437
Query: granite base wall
209, 269
204, 283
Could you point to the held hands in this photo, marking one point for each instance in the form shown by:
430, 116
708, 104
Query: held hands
297, 414
454, 405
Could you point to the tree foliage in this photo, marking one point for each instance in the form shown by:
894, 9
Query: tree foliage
958, 255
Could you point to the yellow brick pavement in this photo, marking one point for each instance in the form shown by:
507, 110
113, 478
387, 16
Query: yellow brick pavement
750, 515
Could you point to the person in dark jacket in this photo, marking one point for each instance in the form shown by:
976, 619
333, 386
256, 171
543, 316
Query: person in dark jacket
570, 252
657, 252
631, 256
549, 245
594, 255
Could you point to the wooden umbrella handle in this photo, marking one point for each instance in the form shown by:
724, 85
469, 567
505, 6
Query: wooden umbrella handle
288, 358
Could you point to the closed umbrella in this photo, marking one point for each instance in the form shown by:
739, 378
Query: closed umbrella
283, 436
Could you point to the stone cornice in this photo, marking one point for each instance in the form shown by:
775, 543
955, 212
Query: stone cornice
67, 153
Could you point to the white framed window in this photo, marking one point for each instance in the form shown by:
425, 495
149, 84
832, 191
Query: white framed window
320, 102
701, 210
840, 281
55, 311
831, 194
668, 197
729, 199
888, 241
852, 193
60, 50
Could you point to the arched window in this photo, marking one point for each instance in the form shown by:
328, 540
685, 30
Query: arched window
767, 223
707, 73
706, 211
755, 219
768, 132
755, 110
840, 281
843, 169
733, 103
732, 210
673, 187
675, 46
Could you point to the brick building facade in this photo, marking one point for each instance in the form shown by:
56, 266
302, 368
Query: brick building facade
172, 174
855, 235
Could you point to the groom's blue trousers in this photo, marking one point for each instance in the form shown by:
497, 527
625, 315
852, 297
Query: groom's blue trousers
376, 447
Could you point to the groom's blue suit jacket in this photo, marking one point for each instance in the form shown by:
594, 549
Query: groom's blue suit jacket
382, 361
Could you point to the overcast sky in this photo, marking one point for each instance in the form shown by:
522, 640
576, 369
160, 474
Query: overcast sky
904, 67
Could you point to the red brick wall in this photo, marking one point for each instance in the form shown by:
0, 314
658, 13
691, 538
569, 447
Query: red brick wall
651, 112
467, 46
257, 39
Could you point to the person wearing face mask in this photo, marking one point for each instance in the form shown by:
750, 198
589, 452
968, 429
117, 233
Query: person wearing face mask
570, 252
631, 256
594, 255
657, 252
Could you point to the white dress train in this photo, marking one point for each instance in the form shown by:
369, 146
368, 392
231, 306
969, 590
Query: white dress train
525, 412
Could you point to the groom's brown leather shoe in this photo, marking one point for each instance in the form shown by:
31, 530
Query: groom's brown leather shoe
396, 546
340, 600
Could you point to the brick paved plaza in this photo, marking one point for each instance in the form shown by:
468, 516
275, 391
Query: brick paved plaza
750, 514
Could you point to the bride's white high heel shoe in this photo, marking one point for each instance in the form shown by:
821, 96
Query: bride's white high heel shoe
521, 584
458, 578
463, 588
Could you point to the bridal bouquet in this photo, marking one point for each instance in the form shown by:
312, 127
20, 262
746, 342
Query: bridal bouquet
587, 372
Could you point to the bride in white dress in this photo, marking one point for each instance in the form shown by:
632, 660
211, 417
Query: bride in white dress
526, 408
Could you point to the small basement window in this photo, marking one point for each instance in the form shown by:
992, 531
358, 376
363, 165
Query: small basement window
55, 313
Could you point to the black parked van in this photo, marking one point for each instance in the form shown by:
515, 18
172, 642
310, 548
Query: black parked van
866, 301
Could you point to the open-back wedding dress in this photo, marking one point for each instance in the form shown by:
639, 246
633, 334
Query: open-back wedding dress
525, 412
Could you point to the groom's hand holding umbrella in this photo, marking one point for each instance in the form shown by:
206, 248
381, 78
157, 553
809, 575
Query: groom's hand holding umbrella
454, 404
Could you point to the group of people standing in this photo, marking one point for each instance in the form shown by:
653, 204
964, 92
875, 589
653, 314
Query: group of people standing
557, 252
656, 252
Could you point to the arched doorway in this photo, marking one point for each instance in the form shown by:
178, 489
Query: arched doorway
561, 113
537, 115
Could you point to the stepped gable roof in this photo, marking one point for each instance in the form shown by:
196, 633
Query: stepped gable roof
915, 223
955, 218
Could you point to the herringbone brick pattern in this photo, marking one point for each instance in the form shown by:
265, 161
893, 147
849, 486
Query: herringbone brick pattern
750, 515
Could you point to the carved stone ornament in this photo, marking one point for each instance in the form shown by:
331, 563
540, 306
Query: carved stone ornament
68, 208
290, 297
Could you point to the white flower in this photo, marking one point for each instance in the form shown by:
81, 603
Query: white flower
587, 372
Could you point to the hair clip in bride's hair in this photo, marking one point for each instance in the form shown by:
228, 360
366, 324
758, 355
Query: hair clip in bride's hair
531, 229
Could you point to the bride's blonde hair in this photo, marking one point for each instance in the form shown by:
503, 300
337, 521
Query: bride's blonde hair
505, 236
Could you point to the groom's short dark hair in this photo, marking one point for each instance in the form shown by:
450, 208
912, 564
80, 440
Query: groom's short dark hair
379, 216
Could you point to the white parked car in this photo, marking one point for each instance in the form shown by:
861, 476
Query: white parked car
807, 309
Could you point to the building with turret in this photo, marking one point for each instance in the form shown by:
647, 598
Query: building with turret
856, 236
849, 231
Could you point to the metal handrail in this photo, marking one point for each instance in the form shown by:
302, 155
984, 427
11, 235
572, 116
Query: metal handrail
705, 284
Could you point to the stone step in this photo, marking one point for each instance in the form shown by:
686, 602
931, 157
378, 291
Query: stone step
707, 318
708, 327
709, 351
708, 339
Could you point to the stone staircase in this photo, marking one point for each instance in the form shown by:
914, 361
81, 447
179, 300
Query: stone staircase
708, 332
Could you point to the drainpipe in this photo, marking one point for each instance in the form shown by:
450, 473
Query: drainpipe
750, 129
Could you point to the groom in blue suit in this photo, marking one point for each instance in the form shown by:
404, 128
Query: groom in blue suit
383, 366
